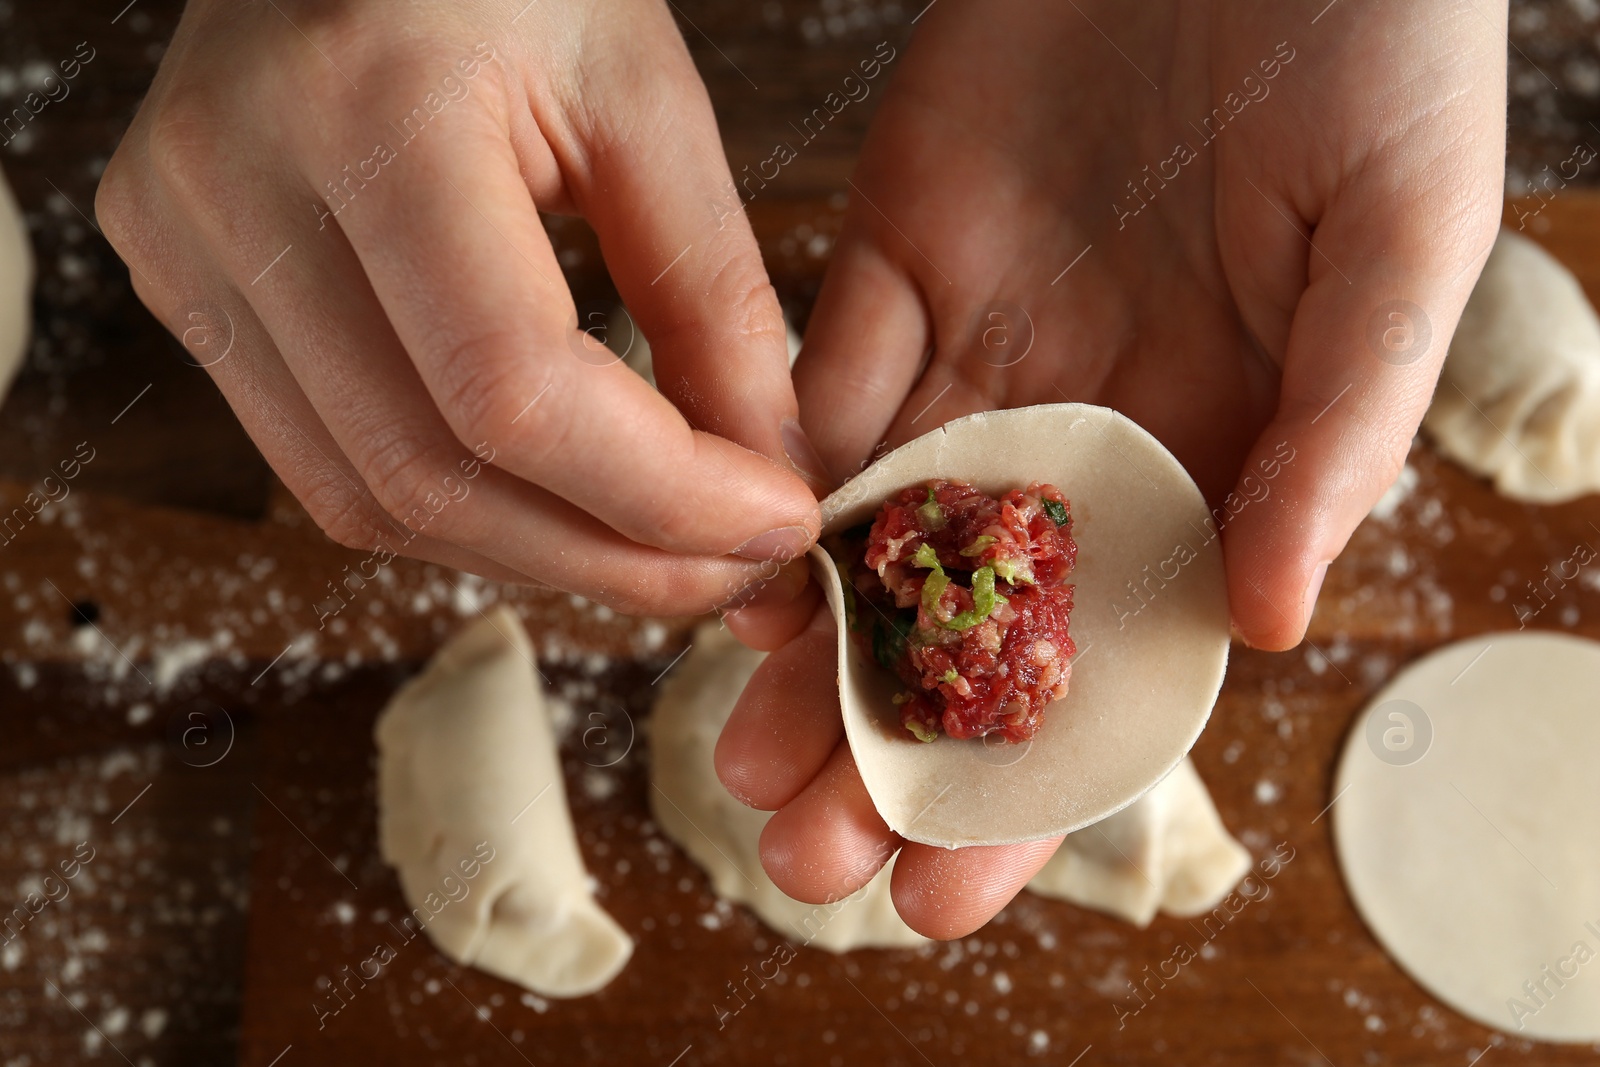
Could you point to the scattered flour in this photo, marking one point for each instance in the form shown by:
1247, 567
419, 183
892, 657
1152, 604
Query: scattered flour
1398, 493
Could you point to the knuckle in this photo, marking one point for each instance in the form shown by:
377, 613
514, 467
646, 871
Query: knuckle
672, 520
184, 135
351, 526
753, 308
402, 478
493, 393
670, 596
346, 517
473, 384
665, 587
630, 602
746, 304
119, 204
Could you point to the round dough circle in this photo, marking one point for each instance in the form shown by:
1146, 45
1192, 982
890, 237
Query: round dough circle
1472, 856
1149, 617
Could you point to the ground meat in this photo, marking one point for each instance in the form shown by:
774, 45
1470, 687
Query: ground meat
965, 598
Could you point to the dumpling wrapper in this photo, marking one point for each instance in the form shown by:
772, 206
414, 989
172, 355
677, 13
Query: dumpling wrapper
1167, 851
1464, 813
1149, 619
466, 755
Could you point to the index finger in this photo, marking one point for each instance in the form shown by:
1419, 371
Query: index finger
473, 290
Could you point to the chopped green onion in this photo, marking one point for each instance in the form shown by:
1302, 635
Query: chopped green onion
1056, 511
933, 588
979, 543
1014, 573
984, 600
921, 732
950, 677
931, 514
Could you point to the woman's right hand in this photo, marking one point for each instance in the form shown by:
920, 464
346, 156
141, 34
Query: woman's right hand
344, 196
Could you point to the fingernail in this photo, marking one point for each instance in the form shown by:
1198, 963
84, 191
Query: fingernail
1313, 588
780, 545
802, 455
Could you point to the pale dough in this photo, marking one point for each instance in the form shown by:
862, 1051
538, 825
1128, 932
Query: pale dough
467, 764
1518, 400
1168, 850
1466, 810
1149, 618
721, 834
16, 287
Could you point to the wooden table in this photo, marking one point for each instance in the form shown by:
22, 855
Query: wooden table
213, 747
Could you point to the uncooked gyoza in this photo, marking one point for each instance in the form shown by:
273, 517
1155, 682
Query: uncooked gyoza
1518, 400
1167, 851
473, 816
722, 835
16, 284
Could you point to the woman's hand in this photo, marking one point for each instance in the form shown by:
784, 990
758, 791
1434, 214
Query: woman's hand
350, 191
1050, 209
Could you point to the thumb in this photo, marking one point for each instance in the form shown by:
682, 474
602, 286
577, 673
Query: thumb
1390, 272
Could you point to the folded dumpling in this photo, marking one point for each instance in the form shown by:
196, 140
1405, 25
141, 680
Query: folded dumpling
1168, 851
1519, 398
473, 816
721, 834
